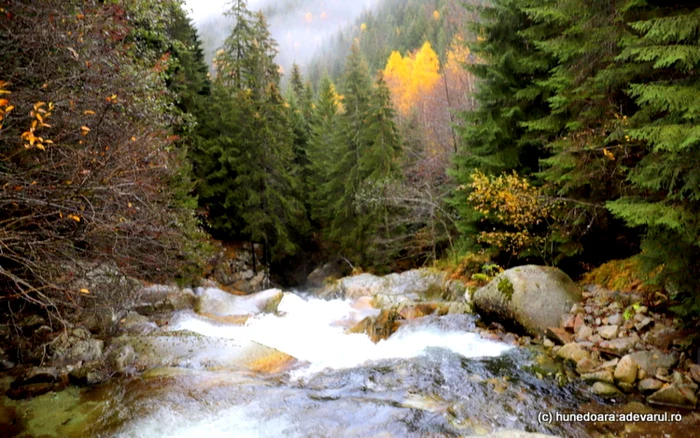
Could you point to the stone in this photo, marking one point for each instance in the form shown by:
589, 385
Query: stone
36, 381
598, 376
643, 323
675, 396
619, 346
568, 321
425, 283
163, 298
584, 333
572, 352
695, 373
332, 270
76, 345
608, 331
579, 321
653, 359
595, 338
626, 370
615, 319
89, 374
611, 364
604, 389
122, 358
548, 343
649, 385
559, 335
642, 310
221, 303
585, 366
532, 297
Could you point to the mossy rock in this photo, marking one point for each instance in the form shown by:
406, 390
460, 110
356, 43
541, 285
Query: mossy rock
529, 297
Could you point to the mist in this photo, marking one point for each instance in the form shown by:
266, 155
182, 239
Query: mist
300, 27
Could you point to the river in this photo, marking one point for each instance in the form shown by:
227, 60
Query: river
435, 377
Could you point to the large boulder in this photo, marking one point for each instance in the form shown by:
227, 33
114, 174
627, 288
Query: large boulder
163, 298
417, 284
76, 345
332, 270
217, 302
186, 349
531, 297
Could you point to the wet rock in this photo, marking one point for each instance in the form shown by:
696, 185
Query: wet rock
608, 331
604, 389
381, 326
674, 395
162, 298
36, 381
122, 358
190, 350
559, 335
331, 270
76, 345
426, 284
626, 370
649, 385
661, 336
572, 352
221, 303
136, 324
533, 297
88, 374
598, 376
695, 373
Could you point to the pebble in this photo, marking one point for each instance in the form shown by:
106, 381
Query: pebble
608, 331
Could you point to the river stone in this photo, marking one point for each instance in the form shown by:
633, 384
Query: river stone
532, 297
585, 366
161, 298
572, 352
626, 370
604, 389
190, 350
88, 374
122, 358
599, 376
584, 332
695, 373
608, 331
217, 302
559, 335
425, 284
649, 385
76, 345
674, 395
650, 360
615, 319
333, 269
619, 346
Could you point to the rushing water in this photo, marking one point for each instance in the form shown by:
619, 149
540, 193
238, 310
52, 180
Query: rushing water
434, 377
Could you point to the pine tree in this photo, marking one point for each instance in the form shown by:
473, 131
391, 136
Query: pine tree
247, 159
664, 197
324, 132
509, 94
347, 228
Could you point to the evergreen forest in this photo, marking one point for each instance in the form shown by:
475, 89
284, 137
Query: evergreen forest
442, 133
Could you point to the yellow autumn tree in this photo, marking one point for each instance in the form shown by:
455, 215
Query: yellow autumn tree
411, 76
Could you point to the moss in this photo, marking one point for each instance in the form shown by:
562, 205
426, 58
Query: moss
506, 288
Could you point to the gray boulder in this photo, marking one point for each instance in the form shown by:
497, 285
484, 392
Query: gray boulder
419, 284
76, 345
221, 303
532, 297
162, 298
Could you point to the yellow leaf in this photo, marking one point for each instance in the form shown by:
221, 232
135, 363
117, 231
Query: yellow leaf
89, 112
74, 217
608, 154
9, 108
84, 130
5, 92
4, 102
84, 291
40, 146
